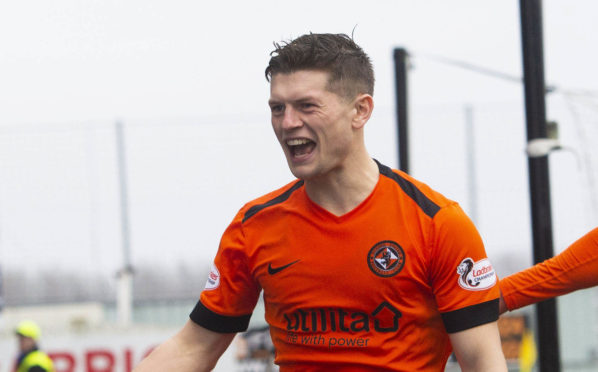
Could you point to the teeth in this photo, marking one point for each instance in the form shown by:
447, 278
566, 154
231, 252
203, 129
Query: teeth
297, 141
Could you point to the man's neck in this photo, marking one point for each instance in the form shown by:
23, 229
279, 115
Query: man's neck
344, 189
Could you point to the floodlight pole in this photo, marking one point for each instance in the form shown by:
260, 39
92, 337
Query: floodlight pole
535, 110
472, 187
124, 298
400, 57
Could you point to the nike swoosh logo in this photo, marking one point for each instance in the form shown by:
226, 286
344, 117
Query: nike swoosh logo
275, 270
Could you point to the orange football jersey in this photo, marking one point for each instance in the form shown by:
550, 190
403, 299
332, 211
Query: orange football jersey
378, 288
574, 268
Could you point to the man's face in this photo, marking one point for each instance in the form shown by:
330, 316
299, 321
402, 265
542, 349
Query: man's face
25, 343
312, 124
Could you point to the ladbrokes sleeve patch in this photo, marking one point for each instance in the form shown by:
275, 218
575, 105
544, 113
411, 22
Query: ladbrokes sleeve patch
476, 276
213, 278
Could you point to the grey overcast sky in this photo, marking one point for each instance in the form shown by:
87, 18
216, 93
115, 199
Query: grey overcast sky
186, 79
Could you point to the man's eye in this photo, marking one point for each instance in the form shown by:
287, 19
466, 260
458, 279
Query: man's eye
277, 109
307, 105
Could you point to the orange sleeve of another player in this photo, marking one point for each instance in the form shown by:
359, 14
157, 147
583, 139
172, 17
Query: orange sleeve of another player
574, 268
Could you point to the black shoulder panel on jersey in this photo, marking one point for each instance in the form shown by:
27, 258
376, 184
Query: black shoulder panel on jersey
471, 316
218, 323
279, 199
428, 206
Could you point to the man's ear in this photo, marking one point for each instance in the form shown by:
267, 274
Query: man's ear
364, 105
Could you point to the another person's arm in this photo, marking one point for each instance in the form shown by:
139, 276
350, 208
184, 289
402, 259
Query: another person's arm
193, 348
574, 268
479, 349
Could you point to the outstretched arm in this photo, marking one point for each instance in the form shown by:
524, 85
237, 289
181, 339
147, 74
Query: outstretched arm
574, 268
193, 348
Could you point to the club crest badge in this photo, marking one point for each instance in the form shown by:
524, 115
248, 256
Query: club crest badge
386, 258
213, 278
476, 276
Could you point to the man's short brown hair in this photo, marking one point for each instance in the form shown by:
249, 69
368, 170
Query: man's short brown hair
350, 68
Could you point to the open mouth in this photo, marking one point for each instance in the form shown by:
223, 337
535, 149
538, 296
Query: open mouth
300, 147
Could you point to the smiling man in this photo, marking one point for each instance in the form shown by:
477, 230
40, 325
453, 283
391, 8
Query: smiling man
362, 267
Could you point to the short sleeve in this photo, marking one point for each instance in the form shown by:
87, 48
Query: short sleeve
231, 293
461, 275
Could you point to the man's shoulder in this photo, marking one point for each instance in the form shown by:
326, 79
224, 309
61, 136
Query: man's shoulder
37, 361
427, 198
270, 199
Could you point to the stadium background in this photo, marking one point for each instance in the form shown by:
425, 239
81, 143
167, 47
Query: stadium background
192, 164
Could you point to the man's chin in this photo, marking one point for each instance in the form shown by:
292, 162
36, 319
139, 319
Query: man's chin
301, 171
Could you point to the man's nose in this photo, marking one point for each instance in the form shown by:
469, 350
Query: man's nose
291, 119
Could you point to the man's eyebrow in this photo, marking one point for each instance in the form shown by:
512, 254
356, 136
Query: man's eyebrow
304, 99
273, 101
